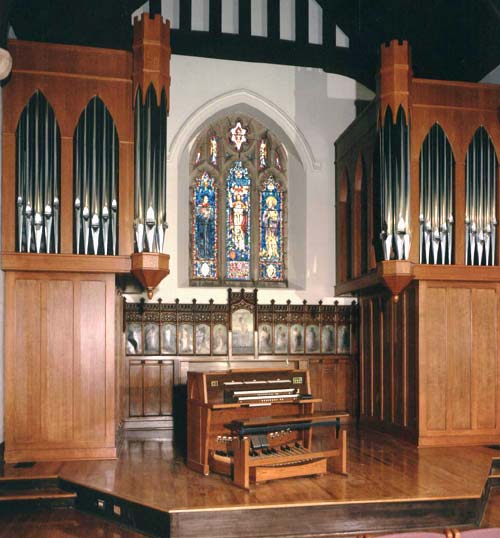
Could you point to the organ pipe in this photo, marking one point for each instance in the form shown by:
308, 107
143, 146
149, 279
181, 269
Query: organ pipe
480, 200
395, 186
95, 181
437, 170
150, 171
38, 143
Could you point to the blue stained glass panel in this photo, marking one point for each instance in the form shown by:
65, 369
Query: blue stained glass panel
271, 231
238, 223
204, 228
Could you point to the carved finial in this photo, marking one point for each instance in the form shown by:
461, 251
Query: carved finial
177, 301
288, 302
211, 301
320, 302
304, 302
194, 301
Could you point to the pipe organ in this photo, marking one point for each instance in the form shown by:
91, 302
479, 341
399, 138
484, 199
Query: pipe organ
83, 200
38, 163
421, 253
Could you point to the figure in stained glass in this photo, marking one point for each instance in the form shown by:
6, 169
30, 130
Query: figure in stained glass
238, 219
205, 228
271, 218
263, 154
213, 150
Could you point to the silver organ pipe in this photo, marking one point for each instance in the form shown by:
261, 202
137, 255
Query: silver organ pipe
480, 200
395, 186
150, 171
437, 171
38, 143
95, 181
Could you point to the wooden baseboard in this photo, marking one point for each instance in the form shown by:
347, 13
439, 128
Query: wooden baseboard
63, 454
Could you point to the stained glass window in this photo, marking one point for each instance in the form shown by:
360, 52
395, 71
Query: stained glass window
271, 231
238, 223
235, 167
204, 228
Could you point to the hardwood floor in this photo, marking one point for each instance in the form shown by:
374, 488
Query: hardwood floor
60, 523
380, 467
391, 485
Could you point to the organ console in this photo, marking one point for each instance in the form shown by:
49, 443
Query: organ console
256, 425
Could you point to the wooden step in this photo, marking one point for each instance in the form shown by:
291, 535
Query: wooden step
25, 493
35, 494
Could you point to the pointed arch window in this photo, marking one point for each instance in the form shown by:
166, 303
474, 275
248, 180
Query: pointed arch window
238, 205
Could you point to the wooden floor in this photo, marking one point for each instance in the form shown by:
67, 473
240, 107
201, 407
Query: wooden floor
380, 468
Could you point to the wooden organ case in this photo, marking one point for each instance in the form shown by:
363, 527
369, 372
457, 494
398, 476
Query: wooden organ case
256, 425
417, 241
77, 209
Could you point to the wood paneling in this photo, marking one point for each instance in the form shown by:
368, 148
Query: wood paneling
485, 375
89, 382
387, 361
436, 370
60, 386
25, 373
438, 366
57, 414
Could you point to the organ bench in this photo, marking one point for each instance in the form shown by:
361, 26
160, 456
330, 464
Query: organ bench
256, 425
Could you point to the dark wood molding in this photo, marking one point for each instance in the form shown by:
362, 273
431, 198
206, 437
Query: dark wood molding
2, 452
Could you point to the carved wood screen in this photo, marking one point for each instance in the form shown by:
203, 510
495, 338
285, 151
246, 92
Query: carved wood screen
166, 340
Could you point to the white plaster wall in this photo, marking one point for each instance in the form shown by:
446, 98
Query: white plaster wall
308, 109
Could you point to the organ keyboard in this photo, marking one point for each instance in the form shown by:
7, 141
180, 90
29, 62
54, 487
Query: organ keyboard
256, 425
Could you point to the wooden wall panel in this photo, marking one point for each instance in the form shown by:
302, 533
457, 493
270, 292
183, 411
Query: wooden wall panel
411, 350
387, 380
387, 361
59, 357
26, 371
433, 334
366, 358
90, 367
485, 358
57, 389
458, 358
399, 359
152, 389
377, 359
135, 389
167, 386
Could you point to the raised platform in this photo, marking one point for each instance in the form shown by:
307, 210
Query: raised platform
391, 485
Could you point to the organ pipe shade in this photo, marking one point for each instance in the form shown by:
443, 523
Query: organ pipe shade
95, 204
481, 169
394, 147
437, 172
150, 219
38, 178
